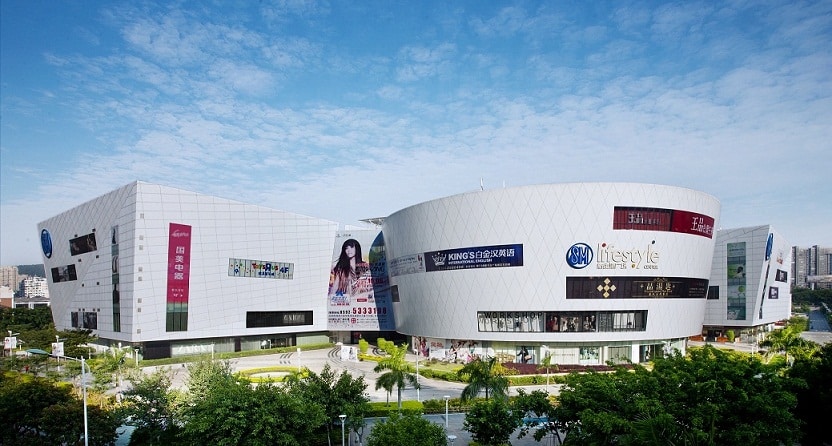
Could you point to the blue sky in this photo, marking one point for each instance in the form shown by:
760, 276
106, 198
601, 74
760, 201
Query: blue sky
349, 110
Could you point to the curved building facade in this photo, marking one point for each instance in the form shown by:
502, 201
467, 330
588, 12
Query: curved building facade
584, 272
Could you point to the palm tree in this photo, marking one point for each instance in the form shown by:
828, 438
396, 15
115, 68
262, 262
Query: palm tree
484, 375
548, 363
398, 372
787, 341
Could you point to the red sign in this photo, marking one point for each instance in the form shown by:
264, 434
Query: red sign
656, 219
693, 223
179, 263
645, 219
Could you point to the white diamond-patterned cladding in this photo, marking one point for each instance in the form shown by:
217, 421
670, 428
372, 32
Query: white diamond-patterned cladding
221, 229
547, 220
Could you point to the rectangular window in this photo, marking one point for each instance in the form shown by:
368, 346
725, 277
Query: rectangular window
562, 321
713, 293
619, 355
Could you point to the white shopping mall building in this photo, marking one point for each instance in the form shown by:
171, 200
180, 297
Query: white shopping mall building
584, 272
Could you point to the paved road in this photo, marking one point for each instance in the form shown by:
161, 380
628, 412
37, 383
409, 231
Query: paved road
819, 330
430, 389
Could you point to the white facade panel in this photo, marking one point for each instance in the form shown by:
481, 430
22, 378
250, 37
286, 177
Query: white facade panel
220, 230
547, 220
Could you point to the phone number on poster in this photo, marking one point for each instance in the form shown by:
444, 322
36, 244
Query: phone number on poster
369, 310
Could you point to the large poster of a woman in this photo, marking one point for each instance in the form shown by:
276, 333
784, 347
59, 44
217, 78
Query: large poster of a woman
359, 296
351, 279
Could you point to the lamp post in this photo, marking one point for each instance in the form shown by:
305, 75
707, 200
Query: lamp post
83, 388
446, 412
84, 391
418, 354
342, 417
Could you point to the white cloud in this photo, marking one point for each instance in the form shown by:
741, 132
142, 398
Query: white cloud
202, 102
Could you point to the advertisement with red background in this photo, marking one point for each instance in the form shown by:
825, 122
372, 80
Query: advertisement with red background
179, 263
669, 220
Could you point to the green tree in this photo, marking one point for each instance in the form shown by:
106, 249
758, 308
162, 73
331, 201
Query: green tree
108, 368
204, 375
813, 388
149, 406
537, 412
339, 394
75, 342
406, 429
710, 397
36, 411
491, 422
237, 414
548, 364
788, 343
484, 375
396, 372
24, 319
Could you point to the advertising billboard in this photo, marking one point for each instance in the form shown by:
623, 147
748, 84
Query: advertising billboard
359, 296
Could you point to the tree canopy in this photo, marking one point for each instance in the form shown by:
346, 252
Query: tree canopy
709, 397
484, 375
337, 394
406, 429
38, 411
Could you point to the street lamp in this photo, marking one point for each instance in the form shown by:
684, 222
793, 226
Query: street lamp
446, 412
342, 417
418, 354
83, 387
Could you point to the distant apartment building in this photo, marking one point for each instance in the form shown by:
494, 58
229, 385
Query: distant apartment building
35, 287
6, 297
811, 267
32, 302
10, 277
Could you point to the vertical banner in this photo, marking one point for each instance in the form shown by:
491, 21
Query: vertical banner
179, 270
736, 281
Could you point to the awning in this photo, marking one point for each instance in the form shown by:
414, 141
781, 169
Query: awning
37, 351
